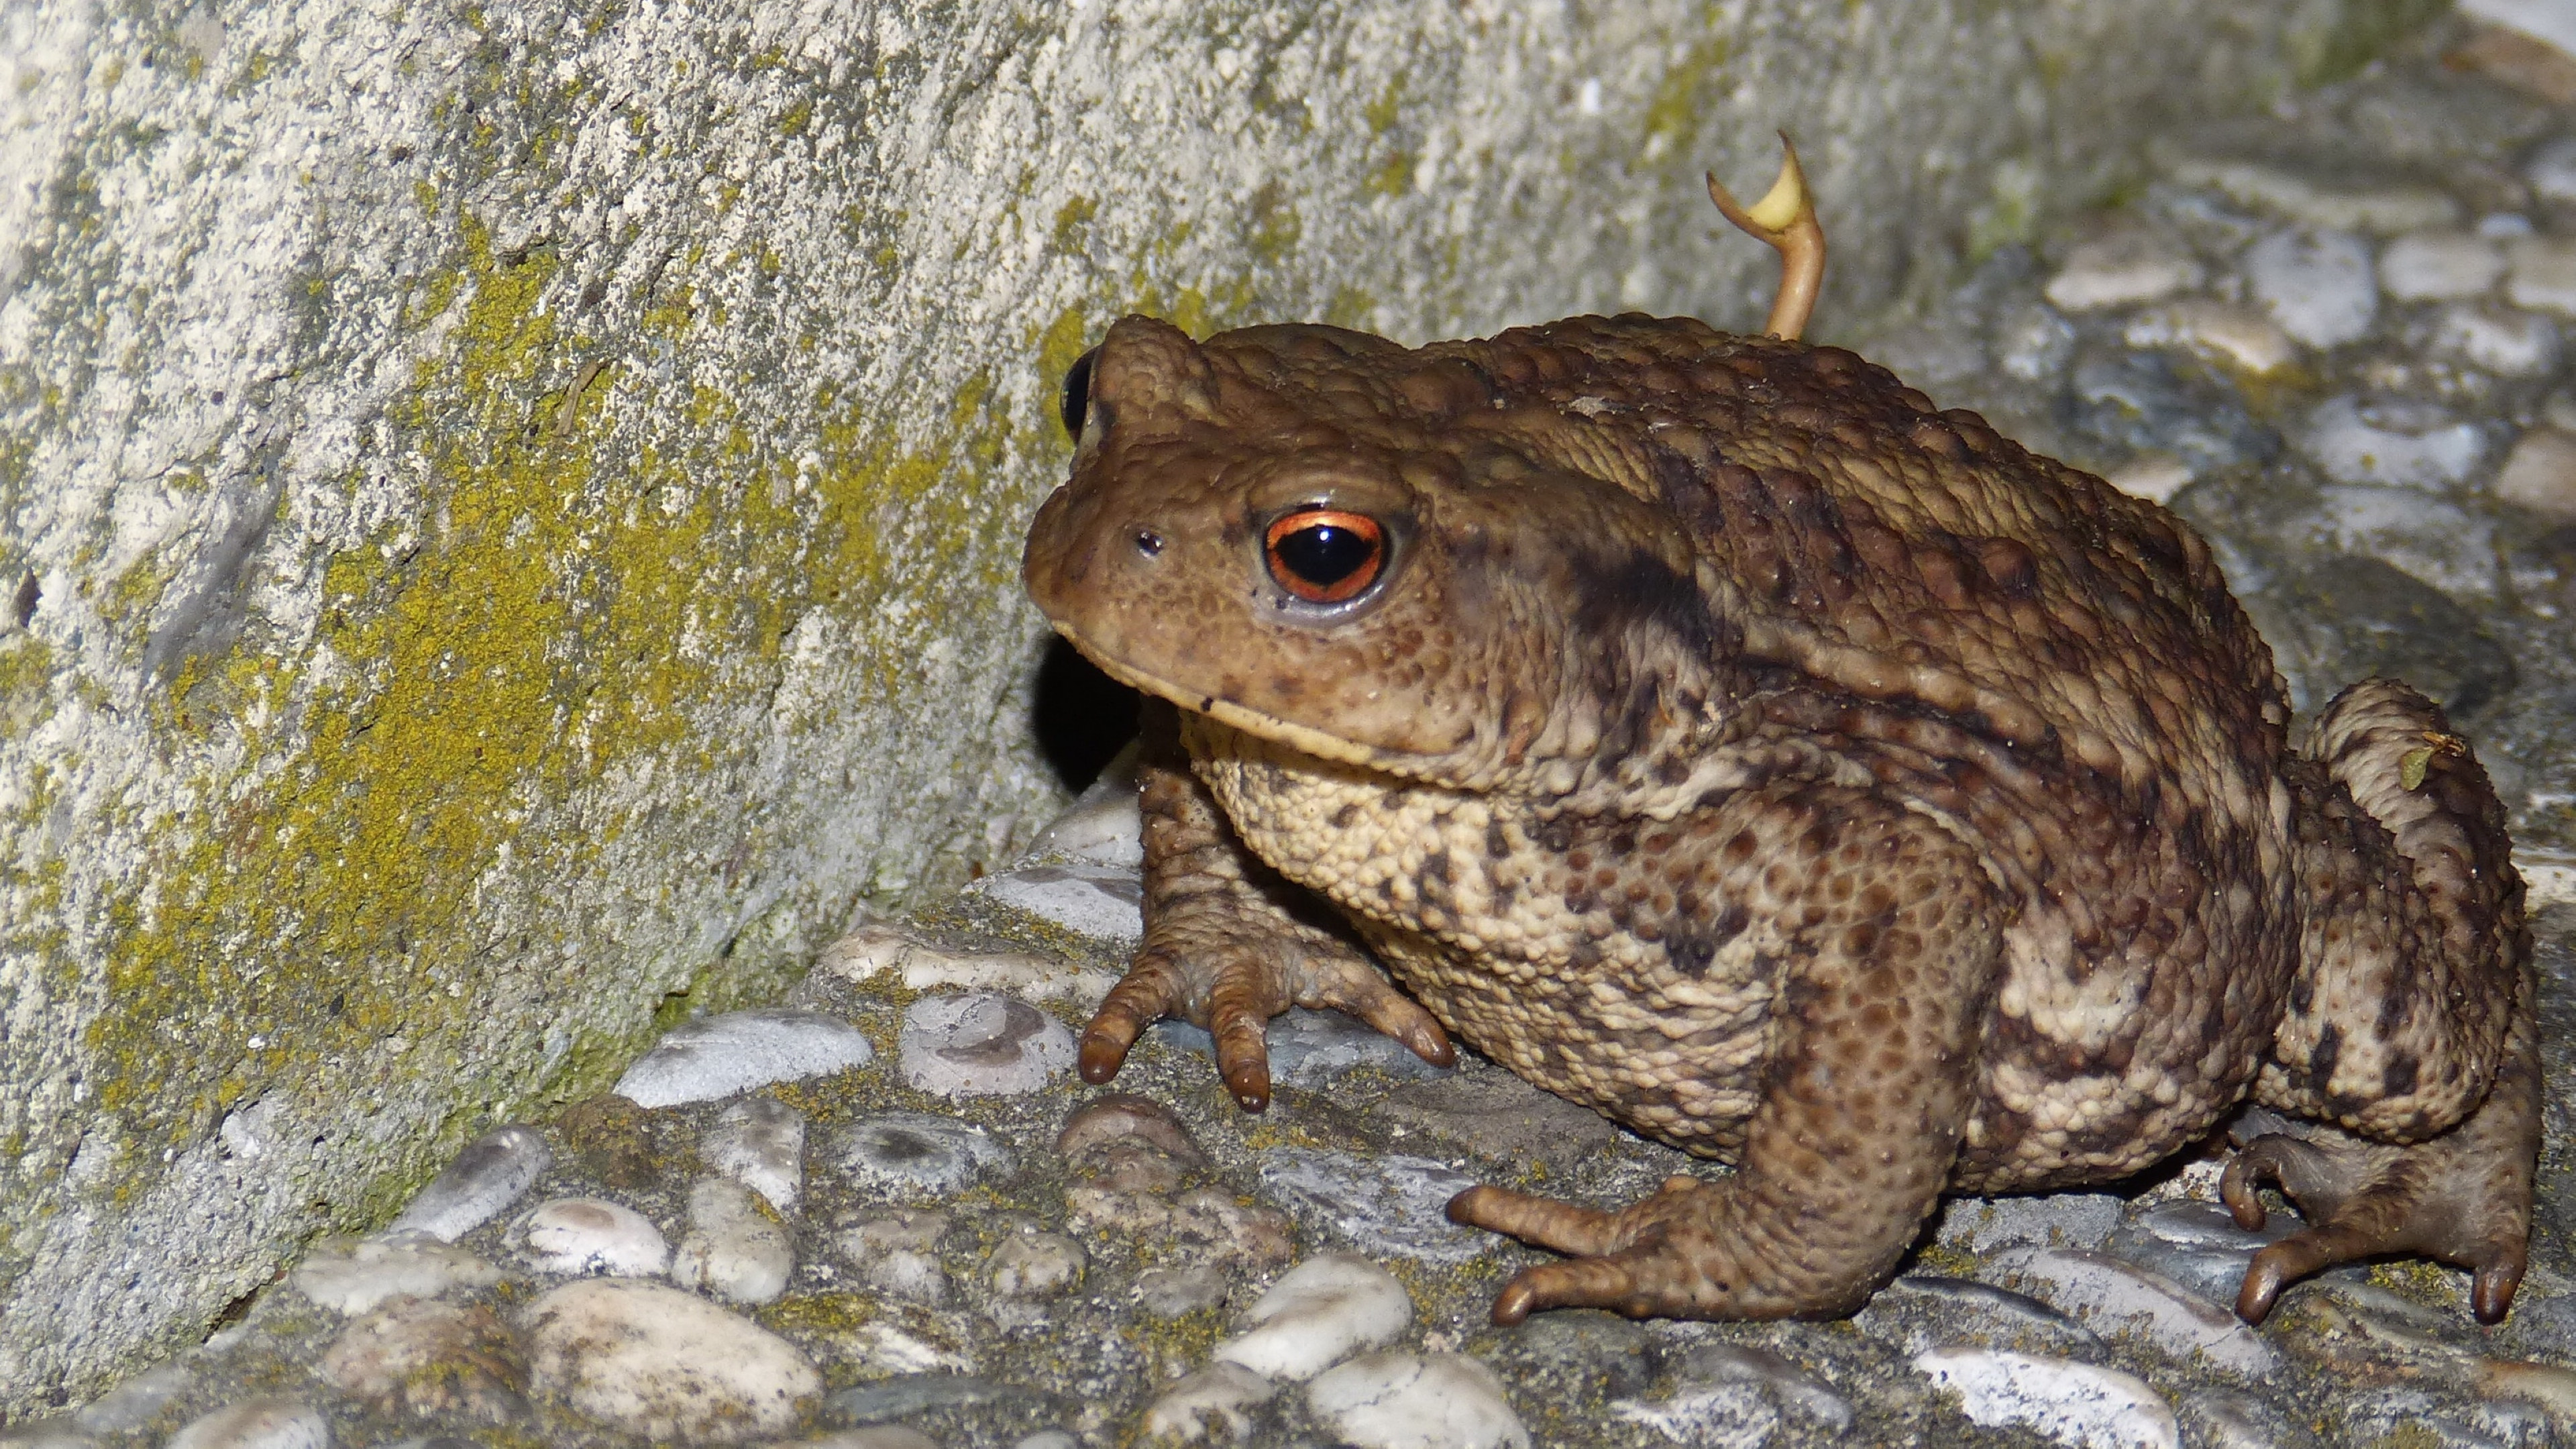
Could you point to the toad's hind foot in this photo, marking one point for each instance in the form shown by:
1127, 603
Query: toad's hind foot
2463, 1197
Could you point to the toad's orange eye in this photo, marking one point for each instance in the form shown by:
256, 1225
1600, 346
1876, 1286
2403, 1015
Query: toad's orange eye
1323, 555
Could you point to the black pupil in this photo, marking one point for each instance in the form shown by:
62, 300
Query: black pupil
1075, 405
1324, 554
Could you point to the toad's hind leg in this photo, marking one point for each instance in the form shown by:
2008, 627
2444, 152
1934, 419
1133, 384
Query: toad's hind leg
2411, 1025
1888, 937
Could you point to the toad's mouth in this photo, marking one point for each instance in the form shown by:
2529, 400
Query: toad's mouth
1305, 739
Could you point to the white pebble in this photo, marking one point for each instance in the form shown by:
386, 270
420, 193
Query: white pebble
2317, 284
665, 1364
739, 1050
1390, 1203
1049, 1439
1318, 1313
489, 1175
592, 1235
354, 1275
1218, 1397
1033, 1265
897, 1252
256, 1424
2239, 336
1103, 827
874, 1436
428, 1359
2384, 209
2120, 270
1106, 903
887, 950
1417, 1401
2540, 474
2401, 441
135, 1402
2111, 1298
2552, 170
2498, 340
733, 1249
2551, 22
760, 1143
980, 1045
2439, 266
2542, 274
914, 1154
2072, 1403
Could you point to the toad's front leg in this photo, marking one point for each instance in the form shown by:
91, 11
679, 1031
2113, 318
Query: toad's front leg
1888, 938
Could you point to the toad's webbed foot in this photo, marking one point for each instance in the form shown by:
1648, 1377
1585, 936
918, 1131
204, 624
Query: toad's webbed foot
1229, 945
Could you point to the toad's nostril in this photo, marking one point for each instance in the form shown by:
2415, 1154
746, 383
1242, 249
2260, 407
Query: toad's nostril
1148, 542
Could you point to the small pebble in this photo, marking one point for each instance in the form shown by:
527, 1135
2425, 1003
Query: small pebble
1029, 1265
1207, 1222
1416, 1401
908, 1394
1923, 1310
2055, 1219
137, 1401
665, 1364
2552, 170
722, 1056
1391, 1204
2542, 274
431, 1360
1800, 1393
1217, 1399
1104, 827
2439, 266
916, 1155
2112, 1297
256, 1424
734, 1250
897, 1251
2230, 333
891, 951
608, 1135
1318, 1313
1171, 1292
1106, 903
492, 1172
592, 1235
2496, 340
2197, 1245
875, 1436
2380, 1416
760, 1143
353, 1275
1501, 1118
980, 1045
1732, 1416
1118, 1116
2405, 442
2318, 285
2128, 267
2073, 1403
51, 1433
2540, 474
2384, 210
1049, 1439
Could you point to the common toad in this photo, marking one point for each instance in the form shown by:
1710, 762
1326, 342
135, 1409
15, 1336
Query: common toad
1714, 732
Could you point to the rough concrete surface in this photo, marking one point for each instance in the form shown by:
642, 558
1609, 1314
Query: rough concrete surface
509, 515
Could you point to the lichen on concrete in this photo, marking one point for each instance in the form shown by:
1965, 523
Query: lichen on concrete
509, 516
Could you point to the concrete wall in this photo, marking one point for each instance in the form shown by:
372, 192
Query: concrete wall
509, 513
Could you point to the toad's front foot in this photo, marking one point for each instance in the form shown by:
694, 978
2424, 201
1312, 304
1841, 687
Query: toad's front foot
2463, 1197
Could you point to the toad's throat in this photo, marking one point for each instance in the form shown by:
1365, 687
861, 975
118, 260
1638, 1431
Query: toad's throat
1305, 739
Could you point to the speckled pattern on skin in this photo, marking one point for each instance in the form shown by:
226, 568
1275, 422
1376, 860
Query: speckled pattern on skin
1717, 735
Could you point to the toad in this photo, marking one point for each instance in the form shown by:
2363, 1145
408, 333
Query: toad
1716, 733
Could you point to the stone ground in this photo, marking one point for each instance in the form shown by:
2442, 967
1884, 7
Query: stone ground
885, 1214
